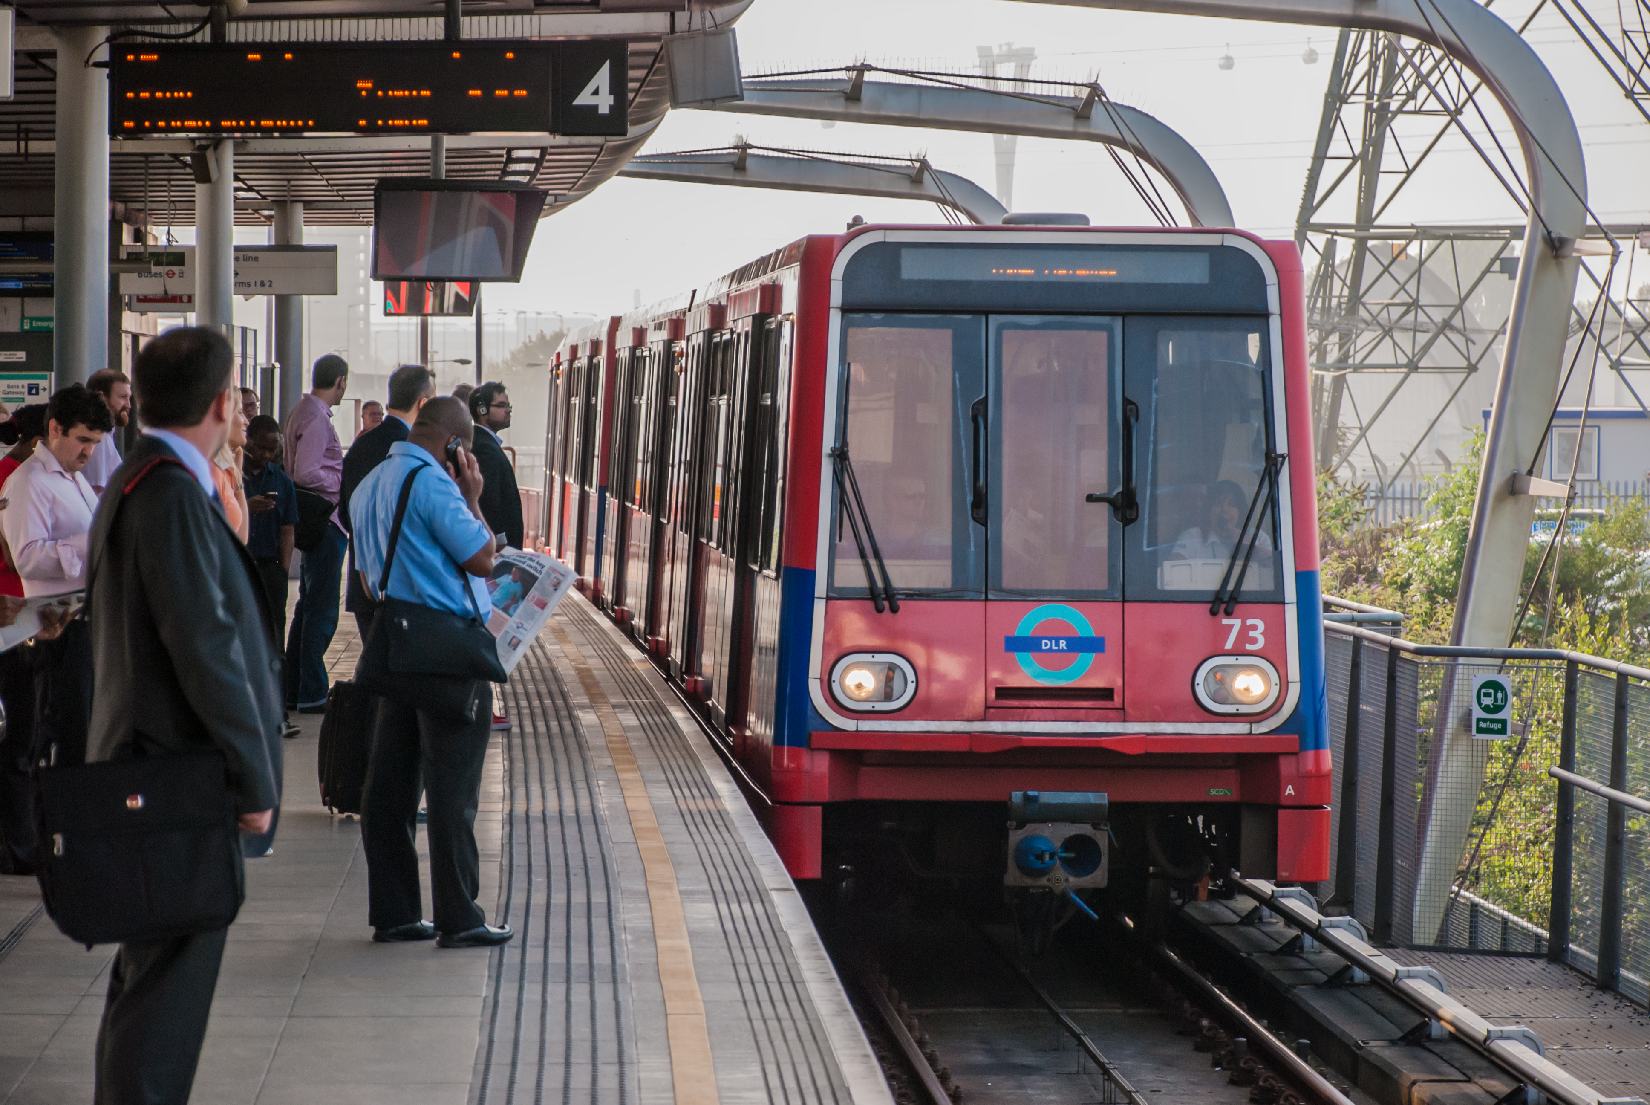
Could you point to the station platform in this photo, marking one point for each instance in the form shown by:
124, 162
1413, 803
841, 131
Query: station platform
661, 954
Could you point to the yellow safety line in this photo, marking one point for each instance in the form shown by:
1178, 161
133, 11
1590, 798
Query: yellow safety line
691, 1067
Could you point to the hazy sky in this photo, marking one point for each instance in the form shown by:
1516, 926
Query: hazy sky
1254, 122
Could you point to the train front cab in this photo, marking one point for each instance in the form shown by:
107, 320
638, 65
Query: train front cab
1049, 439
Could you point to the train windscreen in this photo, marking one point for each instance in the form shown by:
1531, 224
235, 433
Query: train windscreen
1205, 434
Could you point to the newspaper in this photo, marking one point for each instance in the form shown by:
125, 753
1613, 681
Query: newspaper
27, 623
525, 588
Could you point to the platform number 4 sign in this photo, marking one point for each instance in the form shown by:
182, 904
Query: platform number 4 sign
1491, 706
593, 88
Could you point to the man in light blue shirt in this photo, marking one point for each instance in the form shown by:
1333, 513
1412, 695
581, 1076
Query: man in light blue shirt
442, 560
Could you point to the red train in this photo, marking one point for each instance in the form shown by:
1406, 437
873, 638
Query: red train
929, 520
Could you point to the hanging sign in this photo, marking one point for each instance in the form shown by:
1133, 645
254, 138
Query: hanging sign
286, 270
1492, 706
171, 271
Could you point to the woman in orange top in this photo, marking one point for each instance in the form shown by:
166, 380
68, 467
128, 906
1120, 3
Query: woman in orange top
226, 474
30, 422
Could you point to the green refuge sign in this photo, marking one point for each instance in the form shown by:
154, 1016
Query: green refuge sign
1491, 706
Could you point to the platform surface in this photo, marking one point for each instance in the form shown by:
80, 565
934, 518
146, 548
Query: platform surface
662, 954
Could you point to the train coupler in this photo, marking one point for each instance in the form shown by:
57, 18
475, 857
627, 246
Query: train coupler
1058, 840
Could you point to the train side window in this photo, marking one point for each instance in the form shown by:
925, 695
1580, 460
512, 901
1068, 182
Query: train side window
908, 383
1206, 427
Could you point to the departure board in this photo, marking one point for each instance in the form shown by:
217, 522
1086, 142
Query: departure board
467, 87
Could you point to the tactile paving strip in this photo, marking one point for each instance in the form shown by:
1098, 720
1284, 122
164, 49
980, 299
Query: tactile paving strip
558, 1016
570, 1014
790, 1046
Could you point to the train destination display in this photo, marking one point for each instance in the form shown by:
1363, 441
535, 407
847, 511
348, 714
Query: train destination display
370, 88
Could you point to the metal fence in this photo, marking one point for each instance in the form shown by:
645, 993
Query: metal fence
1549, 867
1399, 501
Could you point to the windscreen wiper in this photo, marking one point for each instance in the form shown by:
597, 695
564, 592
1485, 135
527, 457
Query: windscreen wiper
1269, 483
859, 521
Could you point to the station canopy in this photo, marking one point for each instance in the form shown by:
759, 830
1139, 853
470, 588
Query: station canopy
333, 175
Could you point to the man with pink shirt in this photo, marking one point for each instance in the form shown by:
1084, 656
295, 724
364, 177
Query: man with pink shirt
315, 461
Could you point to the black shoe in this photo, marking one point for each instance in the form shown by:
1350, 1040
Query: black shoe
289, 731
423, 815
482, 936
318, 708
403, 934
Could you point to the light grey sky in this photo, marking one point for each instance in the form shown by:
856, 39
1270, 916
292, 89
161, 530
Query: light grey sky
1254, 122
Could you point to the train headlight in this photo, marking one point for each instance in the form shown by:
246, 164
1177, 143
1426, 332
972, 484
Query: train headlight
1236, 684
873, 681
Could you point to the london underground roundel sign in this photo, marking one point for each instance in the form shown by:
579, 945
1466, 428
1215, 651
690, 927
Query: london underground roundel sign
1054, 644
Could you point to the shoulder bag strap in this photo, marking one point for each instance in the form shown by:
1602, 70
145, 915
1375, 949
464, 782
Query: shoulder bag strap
395, 539
395, 531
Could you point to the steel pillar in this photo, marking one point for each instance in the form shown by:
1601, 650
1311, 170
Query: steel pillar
288, 230
1527, 386
215, 240
893, 179
81, 223
982, 111
438, 171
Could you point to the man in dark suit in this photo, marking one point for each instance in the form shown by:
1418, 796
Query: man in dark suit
500, 499
185, 659
411, 386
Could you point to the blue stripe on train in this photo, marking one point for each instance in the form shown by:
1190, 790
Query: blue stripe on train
794, 713
1311, 717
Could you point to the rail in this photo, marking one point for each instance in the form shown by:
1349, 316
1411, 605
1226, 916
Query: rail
1553, 865
1513, 1048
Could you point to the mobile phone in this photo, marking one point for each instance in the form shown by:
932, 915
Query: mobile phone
453, 447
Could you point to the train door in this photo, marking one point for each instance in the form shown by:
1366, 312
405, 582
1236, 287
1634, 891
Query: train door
589, 482
555, 444
657, 428
621, 465
741, 485
676, 547
1053, 416
574, 444
718, 504
745, 696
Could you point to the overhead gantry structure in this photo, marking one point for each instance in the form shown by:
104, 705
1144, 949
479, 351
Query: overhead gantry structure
1527, 385
949, 102
745, 166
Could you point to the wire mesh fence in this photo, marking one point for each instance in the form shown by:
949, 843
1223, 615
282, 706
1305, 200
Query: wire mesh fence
1446, 840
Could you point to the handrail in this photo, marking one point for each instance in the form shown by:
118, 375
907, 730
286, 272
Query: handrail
1469, 652
1631, 801
1513, 1048
1361, 607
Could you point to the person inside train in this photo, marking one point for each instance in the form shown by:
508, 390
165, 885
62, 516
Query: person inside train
1214, 540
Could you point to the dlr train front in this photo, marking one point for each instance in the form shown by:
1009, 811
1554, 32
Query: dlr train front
1065, 574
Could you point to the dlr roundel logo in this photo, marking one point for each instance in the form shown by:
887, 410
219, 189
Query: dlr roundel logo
1054, 644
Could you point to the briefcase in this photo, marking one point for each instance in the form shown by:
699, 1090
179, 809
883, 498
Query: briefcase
346, 744
140, 849
314, 515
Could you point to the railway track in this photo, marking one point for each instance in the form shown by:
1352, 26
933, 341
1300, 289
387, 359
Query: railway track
959, 1017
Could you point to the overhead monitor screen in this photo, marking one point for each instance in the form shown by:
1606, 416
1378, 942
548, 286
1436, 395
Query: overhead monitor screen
452, 230
454, 299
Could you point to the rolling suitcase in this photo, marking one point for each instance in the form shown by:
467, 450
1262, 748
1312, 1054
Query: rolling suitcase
346, 742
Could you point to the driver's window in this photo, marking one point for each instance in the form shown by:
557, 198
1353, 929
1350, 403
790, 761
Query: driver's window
1205, 433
